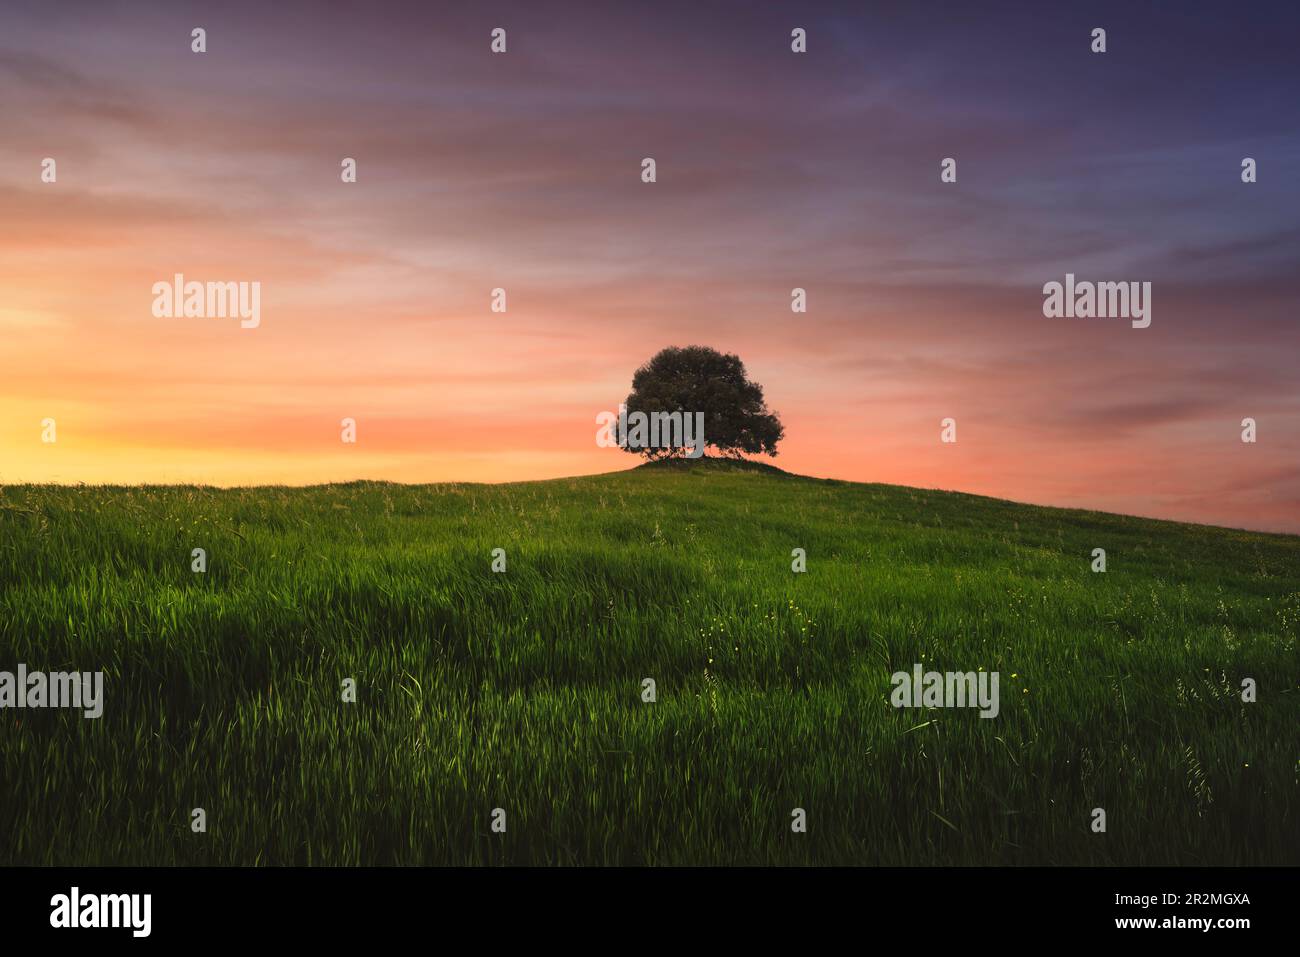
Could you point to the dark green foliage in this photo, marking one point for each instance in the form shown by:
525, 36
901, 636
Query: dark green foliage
699, 379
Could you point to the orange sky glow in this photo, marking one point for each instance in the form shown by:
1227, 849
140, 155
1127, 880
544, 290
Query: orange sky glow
523, 172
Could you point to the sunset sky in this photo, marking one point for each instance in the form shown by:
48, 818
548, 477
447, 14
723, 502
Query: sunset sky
775, 170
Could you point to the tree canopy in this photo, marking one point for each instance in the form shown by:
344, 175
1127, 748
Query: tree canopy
709, 388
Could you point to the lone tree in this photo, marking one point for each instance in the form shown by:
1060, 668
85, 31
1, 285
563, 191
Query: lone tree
701, 380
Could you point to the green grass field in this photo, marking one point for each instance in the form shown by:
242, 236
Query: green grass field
523, 690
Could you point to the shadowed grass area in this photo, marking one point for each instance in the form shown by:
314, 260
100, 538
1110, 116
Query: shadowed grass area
523, 690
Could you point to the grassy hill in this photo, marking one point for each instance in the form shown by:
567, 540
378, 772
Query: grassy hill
522, 690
